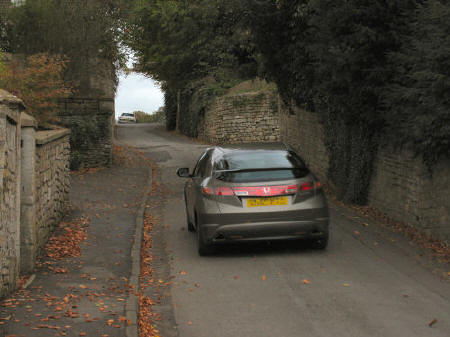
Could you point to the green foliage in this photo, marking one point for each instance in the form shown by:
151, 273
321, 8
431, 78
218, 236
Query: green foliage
38, 81
170, 107
158, 116
81, 30
83, 134
75, 160
418, 100
177, 41
2, 65
330, 56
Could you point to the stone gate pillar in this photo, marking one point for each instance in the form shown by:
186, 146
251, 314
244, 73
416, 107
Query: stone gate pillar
28, 236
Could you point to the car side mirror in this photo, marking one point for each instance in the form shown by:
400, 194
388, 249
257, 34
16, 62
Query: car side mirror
183, 172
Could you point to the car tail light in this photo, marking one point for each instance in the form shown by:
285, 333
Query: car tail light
224, 191
309, 186
208, 190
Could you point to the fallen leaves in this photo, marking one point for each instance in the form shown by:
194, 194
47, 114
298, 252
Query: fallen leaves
52, 327
146, 315
433, 321
67, 244
437, 248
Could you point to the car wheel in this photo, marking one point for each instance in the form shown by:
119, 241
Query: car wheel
321, 243
203, 247
190, 226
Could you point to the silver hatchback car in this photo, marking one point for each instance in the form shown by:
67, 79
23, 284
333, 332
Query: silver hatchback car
258, 191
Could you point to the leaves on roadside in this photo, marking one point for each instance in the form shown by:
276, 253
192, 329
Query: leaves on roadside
67, 243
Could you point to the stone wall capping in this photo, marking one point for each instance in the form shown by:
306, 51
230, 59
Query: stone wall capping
47, 136
27, 121
7, 98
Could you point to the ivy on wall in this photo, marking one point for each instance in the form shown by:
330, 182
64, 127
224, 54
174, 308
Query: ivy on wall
373, 70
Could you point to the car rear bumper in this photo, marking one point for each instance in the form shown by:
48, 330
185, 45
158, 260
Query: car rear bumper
273, 230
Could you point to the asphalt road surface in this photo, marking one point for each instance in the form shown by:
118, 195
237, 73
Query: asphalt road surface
369, 282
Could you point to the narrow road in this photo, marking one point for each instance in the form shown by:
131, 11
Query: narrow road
369, 282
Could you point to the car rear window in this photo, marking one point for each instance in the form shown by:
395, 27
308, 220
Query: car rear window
127, 115
290, 164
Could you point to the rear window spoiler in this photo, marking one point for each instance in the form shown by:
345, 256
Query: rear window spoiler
218, 173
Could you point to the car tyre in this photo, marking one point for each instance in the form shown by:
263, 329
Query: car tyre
190, 225
321, 243
204, 248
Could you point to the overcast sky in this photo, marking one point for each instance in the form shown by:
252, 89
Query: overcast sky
137, 92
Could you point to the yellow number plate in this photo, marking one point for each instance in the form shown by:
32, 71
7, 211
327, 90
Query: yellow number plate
274, 201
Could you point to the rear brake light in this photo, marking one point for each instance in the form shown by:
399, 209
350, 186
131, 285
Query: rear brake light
226, 191
223, 191
309, 186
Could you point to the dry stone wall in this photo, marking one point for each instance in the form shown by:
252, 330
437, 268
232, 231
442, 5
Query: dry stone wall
52, 182
91, 123
34, 187
303, 131
248, 117
403, 188
10, 108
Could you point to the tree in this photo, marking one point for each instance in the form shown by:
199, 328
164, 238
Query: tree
195, 49
331, 57
84, 31
418, 99
176, 41
38, 81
